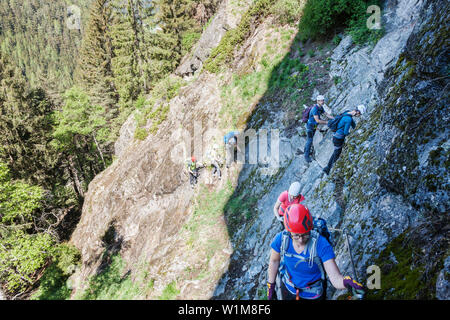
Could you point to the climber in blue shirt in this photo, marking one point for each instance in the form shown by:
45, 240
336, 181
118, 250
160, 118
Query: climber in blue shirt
313, 121
343, 130
303, 258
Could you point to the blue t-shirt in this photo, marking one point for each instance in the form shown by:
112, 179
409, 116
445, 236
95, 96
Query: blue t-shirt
303, 274
315, 111
344, 127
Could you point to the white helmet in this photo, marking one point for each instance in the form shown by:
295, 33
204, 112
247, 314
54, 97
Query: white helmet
294, 189
320, 98
361, 108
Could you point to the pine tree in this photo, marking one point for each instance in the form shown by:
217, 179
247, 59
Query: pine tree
25, 127
175, 18
94, 71
127, 41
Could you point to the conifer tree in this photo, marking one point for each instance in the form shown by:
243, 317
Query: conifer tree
25, 127
94, 72
175, 18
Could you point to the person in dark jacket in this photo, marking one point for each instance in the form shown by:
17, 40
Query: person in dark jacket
343, 130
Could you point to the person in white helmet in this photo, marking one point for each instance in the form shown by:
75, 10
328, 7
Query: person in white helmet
343, 129
287, 198
313, 121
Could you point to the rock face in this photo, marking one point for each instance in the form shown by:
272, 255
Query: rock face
223, 20
379, 187
392, 174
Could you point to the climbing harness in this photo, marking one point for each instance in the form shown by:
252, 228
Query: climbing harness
317, 287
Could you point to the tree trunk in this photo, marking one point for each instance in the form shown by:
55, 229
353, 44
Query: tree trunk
76, 180
99, 151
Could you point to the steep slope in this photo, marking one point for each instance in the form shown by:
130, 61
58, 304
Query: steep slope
184, 241
389, 149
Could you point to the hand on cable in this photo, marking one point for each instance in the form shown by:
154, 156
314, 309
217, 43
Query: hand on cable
354, 286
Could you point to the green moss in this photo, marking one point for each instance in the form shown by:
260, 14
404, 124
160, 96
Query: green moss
401, 280
170, 292
140, 134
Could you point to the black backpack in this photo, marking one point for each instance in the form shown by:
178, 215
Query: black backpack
333, 123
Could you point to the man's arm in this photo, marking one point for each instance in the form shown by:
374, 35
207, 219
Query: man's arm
319, 121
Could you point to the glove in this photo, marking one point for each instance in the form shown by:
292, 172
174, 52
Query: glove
270, 291
355, 287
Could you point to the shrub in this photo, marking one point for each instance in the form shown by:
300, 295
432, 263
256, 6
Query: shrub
234, 38
188, 40
320, 17
287, 11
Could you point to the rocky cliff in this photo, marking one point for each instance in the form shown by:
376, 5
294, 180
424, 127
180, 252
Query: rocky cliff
389, 190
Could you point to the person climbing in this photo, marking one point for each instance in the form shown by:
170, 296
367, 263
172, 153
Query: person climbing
342, 130
303, 258
313, 121
214, 160
287, 198
193, 169
230, 140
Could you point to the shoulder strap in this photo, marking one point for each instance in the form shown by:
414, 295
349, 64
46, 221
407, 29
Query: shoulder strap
313, 255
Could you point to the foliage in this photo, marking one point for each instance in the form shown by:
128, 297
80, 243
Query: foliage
234, 38
361, 34
321, 17
21, 256
35, 36
93, 71
170, 291
81, 133
25, 127
112, 284
287, 11
156, 106
189, 39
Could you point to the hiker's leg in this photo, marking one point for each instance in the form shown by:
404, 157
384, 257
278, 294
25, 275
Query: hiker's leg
216, 169
338, 145
309, 141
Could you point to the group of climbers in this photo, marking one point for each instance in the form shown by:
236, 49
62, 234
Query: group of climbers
214, 158
302, 254
340, 125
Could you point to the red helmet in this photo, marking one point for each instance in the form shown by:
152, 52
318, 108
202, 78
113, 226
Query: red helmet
297, 219
193, 159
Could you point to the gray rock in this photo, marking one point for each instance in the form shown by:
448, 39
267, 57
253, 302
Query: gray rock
443, 282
